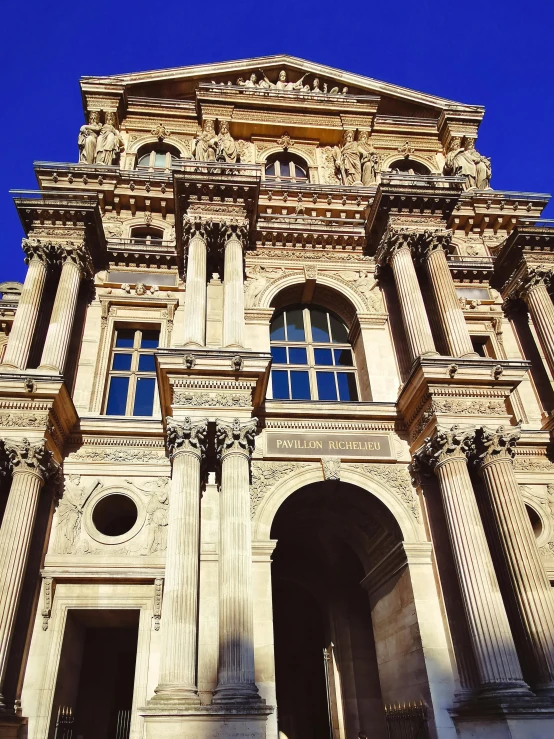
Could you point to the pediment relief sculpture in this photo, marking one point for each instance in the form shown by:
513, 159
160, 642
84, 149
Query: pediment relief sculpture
464, 160
283, 84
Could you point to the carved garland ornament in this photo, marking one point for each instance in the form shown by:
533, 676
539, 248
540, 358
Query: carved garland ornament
397, 479
265, 475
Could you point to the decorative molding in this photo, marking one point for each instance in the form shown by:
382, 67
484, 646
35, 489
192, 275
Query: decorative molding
158, 602
265, 475
212, 400
396, 478
88, 454
47, 597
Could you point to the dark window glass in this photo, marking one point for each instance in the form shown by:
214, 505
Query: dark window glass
117, 397
122, 362
150, 339
479, 345
279, 354
320, 332
125, 338
280, 384
323, 356
297, 355
326, 388
270, 170
343, 357
295, 326
144, 396
278, 328
300, 385
147, 363
347, 386
338, 329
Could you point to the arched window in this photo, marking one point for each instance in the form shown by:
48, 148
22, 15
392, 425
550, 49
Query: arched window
147, 233
158, 157
312, 357
410, 166
286, 167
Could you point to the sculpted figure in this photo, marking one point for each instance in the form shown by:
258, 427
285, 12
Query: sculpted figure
157, 512
257, 279
227, 150
250, 82
204, 146
88, 135
316, 89
348, 160
70, 512
109, 142
463, 159
370, 160
282, 83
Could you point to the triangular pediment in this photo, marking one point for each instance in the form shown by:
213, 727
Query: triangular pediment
180, 83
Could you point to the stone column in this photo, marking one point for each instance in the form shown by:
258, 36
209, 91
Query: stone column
535, 292
395, 248
31, 464
179, 623
235, 677
498, 667
233, 288
38, 257
75, 264
196, 285
431, 247
530, 587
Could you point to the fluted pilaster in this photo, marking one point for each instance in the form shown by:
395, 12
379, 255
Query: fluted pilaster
236, 682
31, 464
530, 587
395, 248
196, 286
495, 653
38, 258
233, 288
179, 623
76, 264
431, 246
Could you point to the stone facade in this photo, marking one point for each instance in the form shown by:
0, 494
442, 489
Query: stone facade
276, 405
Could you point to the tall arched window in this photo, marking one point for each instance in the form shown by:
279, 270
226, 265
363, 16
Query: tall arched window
286, 167
156, 157
312, 357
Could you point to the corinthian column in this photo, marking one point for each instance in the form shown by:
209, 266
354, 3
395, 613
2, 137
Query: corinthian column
233, 287
179, 624
530, 587
498, 667
235, 443
395, 248
196, 286
431, 246
38, 257
75, 265
31, 464
534, 290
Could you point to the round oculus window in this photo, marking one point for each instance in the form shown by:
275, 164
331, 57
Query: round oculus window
115, 515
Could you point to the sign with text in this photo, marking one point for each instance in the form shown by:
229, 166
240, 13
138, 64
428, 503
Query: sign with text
328, 444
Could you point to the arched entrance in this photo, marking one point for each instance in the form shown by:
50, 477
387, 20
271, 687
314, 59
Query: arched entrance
328, 653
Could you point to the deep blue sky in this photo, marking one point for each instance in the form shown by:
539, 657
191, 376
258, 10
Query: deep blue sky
495, 53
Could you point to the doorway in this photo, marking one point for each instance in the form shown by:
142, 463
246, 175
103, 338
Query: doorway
97, 672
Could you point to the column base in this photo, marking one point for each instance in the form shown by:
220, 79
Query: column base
227, 722
485, 716
174, 697
238, 693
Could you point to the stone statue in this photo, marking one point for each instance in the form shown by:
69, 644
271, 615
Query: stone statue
204, 146
462, 159
227, 149
157, 512
109, 143
348, 160
369, 160
252, 81
70, 512
88, 136
282, 83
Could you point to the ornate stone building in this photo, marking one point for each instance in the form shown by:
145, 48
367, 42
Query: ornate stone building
276, 409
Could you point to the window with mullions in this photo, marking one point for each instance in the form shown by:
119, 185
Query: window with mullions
312, 357
132, 378
286, 167
157, 158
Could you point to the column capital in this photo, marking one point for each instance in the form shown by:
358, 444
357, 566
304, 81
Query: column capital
533, 277
429, 241
35, 458
445, 444
45, 251
187, 437
495, 445
235, 437
196, 225
78, 254
234, 229
392, 241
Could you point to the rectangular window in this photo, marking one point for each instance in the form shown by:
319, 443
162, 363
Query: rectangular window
132, 380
